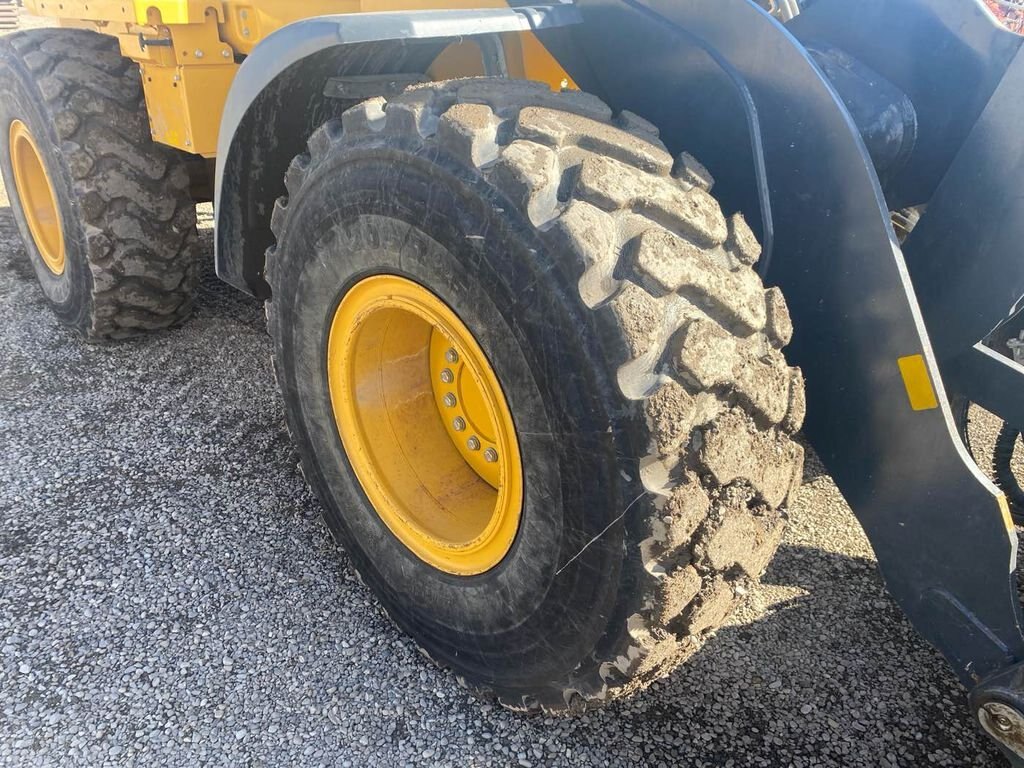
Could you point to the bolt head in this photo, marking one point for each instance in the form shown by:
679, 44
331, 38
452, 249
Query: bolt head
459, 424
226, 53
1002, 723
447, 376
473, 443
450, 400
490, 455
451, 356
199, 54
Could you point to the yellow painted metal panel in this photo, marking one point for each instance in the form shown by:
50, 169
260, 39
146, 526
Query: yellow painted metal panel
131, 11
185, 95
185, 104
247, 22
918, 383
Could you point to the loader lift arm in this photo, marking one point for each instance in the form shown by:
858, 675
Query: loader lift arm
941, 531
750, 98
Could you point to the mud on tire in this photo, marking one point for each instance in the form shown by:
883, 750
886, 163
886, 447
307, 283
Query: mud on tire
636, 344
123, 201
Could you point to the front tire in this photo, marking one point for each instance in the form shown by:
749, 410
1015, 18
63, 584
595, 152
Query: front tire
634, 344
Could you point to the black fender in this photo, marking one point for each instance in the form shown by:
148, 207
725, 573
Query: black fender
277, 100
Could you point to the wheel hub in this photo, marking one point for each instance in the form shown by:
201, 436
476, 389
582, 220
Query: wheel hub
37, 197
425, 424
464, 408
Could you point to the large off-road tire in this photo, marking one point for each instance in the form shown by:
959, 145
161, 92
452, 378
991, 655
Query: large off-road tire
126, 263
635, 345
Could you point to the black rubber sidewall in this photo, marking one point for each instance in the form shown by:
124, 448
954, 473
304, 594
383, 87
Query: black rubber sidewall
70, 292
543, 610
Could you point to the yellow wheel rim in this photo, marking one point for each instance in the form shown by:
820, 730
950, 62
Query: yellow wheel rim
425, 425
38, 201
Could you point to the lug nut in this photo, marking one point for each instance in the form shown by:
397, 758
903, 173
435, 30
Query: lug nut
459, 423
451, 356
490, 455
447, 376
450, 401
473, 443
1002, 723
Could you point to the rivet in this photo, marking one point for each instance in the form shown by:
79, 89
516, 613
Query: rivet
245, 32
490, 455
447, 376
199, 54
226, 53
450, 401
451, 356
460, 424
473, 443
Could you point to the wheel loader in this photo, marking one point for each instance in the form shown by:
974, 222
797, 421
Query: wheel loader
551, 288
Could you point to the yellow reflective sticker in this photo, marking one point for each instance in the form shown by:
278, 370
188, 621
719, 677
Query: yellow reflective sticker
918, 383
1004, 507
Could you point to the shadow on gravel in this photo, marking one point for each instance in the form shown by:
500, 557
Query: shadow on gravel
831, 674
216, 298
12, 254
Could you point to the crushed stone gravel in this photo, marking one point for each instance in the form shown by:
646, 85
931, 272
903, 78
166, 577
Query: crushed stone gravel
169, 595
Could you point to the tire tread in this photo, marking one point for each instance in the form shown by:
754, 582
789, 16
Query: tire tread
134, 192
653, 253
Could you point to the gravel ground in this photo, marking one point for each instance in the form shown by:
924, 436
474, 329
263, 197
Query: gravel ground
169, 595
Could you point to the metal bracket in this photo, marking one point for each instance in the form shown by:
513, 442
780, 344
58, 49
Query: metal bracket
154, 42
360, 87
990, 379
1017, 348
998, 704
492, 49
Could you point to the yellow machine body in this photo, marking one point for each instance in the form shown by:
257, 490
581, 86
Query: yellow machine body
190, 50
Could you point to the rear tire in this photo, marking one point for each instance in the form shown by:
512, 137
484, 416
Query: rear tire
636, 347
128, 222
